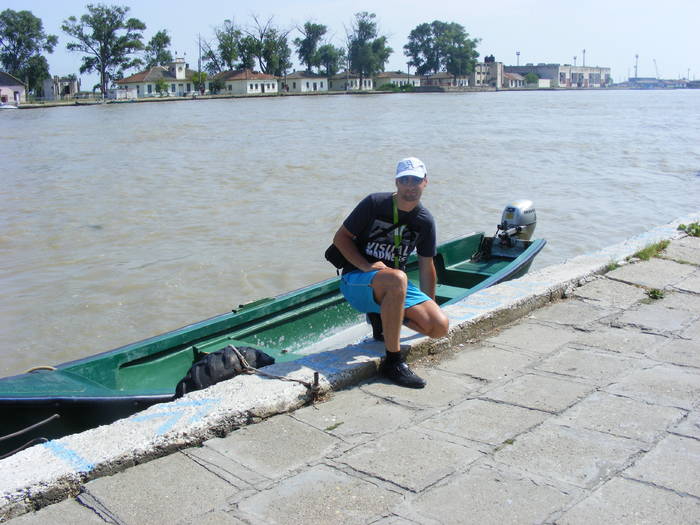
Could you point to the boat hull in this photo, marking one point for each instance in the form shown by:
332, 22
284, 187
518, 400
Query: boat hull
102, 388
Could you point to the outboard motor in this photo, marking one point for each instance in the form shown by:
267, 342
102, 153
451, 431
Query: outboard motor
518, 221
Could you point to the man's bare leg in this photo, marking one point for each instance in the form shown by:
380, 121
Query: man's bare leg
428, 319
390, 293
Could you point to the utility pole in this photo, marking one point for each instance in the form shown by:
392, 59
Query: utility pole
199, 62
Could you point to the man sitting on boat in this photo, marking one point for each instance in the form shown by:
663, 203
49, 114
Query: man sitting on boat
376, 239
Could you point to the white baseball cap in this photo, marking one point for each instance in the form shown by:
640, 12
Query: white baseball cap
411, 166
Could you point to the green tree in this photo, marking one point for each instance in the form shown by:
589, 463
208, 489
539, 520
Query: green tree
22, 41
367, 52
307, 47
157, 52
108, 39
217, 85
441, 46
223, 53
330, 59
161, 86
268, 45
199, 79
249, 49
531, 78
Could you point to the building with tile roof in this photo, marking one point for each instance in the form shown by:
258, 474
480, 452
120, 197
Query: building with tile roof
12, 90
177, 77
346, 81
396, 78
245, 82
304, 82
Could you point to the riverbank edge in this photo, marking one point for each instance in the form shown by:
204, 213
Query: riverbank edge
49, 473
428, 89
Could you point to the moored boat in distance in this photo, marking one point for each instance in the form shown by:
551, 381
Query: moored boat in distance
102, 388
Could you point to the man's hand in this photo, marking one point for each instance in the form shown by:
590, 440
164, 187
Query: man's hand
378, 265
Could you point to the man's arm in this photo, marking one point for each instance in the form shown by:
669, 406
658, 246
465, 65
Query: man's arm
428, 276
345, 242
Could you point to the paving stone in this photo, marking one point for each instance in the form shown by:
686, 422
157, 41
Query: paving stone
681, 301
690, 283
487, 363
573, 312
657, 318
485, 421
595, 366
355, 416
666, 385
621, 416
686, 249
443, 389
576, 456
692, 331
690, 426
533, 337
67, 512
275, 446
625, 502
654, 273
319, 495
393, 520
410, 459
683, 352
541, 392
487, 496
674, 463
624, 340
215, 517
165, 490
610, 293
225, 467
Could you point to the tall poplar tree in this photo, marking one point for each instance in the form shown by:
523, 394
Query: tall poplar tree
157, 50
107, 39
307, 47
367, 52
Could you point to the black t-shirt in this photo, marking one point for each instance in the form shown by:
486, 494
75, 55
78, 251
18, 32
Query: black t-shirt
376, 213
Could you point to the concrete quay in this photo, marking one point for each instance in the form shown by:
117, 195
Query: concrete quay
583, 410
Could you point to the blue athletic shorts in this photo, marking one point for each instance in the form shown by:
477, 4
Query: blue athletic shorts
357, 289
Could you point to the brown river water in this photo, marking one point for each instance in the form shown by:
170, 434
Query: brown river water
119, 222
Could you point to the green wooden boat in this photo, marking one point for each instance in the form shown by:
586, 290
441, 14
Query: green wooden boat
105, 387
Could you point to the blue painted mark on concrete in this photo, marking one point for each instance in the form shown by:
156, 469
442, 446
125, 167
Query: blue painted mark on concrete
176, 411
70, 456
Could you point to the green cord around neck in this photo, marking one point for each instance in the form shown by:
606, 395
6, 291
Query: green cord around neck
397, 235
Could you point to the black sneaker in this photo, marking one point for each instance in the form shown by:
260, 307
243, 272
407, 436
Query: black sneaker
401, 374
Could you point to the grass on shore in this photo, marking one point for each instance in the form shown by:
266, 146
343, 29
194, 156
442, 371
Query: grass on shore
651, 251
692, 229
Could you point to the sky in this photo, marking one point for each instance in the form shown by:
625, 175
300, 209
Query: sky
665, 35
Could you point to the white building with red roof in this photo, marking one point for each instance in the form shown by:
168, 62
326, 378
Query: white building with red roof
245, 82
176, 77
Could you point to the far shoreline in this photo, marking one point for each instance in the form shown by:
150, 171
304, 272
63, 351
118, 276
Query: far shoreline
419, 91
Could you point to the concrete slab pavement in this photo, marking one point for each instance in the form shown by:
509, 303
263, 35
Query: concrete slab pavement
549, 420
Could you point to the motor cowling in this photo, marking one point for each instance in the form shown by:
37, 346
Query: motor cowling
518, 220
